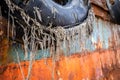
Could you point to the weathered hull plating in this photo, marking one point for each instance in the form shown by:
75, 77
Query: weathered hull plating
97, 65
93, 57
104, 36
80, 63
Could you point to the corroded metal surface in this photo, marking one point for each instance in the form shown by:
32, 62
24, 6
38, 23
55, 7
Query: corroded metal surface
4, 42
100, 9
107, 9
81, 57
101, 13
96, 57
103, 36
100, 3
97, 65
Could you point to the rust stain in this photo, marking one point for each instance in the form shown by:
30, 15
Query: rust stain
113, 75
4, 42
4, 46
101, 13
100, 3
97, 65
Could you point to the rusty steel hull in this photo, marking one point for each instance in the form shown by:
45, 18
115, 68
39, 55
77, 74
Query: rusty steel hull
96, 57
104, 36
99, 60
97, 65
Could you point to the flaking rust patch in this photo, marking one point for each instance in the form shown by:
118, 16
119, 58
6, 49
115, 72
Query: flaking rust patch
4, 51
4, 41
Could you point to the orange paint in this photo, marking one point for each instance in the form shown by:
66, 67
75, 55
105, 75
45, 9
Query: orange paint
92, 66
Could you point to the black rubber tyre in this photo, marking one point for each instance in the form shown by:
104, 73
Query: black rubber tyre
114, 10
67, 14
71, 13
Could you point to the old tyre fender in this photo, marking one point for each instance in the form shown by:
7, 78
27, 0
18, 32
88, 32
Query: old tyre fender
45, 12
114, 10
50, 11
